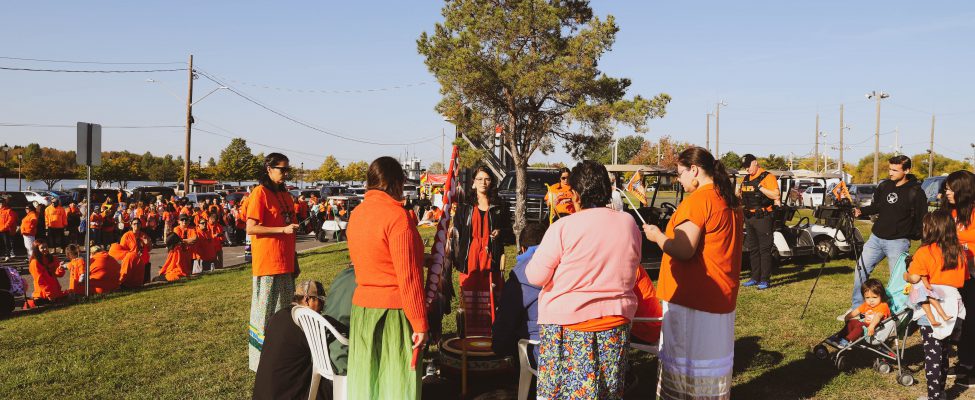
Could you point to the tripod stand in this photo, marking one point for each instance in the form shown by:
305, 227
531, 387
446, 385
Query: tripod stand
847, 227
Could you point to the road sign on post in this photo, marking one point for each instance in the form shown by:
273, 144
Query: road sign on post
89, 144
89, 153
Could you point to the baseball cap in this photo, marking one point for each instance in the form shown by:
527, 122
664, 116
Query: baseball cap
310, 288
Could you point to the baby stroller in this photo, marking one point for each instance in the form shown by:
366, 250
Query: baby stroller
895, 328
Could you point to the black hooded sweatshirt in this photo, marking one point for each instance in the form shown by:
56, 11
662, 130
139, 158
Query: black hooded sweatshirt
899, 209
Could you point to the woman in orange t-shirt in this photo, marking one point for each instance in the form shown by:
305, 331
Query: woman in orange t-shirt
28, 228
271, 224
179, 259
699, 278
959, 199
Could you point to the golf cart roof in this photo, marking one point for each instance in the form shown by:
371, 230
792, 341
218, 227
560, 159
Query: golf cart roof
797, 174
646, 169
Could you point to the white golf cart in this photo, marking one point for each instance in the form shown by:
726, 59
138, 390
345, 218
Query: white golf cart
822, 238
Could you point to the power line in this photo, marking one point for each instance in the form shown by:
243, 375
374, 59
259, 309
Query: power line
102, 71
306, 124
329, 91
317, 157
91, 62
28, 125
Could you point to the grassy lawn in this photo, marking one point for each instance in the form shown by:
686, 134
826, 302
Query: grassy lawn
188, 340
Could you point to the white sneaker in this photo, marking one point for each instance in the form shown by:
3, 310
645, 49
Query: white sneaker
842, 317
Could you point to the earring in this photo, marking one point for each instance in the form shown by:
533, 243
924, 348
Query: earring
695, 183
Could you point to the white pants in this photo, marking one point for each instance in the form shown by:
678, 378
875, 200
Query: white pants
29, 244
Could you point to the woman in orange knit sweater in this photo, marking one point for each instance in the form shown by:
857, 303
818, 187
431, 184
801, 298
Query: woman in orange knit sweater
389, 320
28, 228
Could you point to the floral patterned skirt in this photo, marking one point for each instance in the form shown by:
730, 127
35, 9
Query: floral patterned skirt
582, 365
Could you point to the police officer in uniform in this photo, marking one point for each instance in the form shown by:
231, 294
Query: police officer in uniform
759, 193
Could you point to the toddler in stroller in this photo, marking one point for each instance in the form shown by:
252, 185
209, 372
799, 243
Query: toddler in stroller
886, 317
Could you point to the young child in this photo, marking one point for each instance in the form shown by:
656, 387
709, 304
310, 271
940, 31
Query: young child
76, 269
869, 314
939, 261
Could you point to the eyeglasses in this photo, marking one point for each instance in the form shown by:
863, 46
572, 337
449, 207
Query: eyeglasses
482, 180
284, 168
564, 178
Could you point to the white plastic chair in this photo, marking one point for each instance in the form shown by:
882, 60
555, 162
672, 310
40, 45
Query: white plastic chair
526, 371
652, 348
314, 326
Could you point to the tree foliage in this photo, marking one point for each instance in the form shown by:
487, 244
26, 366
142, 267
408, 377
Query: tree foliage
237, 162
356, 171
627, 147
330, 170
663, 153
531, 67
436, 167
48, 165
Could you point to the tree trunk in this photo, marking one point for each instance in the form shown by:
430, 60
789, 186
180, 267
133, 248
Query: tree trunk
521, 194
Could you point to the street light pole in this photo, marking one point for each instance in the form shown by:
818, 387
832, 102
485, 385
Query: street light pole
876, 145
717, 129
6, 164
707, 134
20, 167
931, 150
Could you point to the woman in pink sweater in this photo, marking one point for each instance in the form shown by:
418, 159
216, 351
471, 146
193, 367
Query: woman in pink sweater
586, 267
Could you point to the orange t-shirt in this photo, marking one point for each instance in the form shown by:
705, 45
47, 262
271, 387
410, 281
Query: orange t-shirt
76, 268
966, 235
8, 220
928, 261
271, 254
55, 217
648, 306
599, 324
708, 281
28, 226
560, 196
869, 313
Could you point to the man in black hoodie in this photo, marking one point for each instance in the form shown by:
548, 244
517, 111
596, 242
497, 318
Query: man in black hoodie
899, 203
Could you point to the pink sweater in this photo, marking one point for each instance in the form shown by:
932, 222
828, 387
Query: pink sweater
586, 267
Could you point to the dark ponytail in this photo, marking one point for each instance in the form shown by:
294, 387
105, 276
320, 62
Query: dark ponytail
713, 168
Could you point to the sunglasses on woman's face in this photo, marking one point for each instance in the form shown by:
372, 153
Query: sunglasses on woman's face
284, 168
564, 177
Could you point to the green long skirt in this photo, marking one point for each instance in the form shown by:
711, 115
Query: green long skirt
380, 351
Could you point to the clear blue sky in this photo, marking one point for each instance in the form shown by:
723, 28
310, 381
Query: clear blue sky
774, 63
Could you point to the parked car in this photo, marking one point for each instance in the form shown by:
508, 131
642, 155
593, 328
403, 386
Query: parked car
235, 197
333, 190
536, 210
862, 194
197, 198
359, 192
63, 197
38, 196
812, 197
932, 187
410, 192
18, 202
150, 193
97, 195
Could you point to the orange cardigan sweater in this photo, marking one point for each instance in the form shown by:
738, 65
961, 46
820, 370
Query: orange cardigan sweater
387, 253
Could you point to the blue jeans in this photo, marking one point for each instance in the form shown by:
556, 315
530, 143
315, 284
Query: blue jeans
874, 251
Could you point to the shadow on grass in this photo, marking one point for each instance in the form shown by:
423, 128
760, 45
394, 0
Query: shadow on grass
810, 273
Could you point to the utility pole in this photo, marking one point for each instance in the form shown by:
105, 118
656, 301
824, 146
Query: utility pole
931, 150
707, 135
443, 142
717, 129
842, 128
876, 144
189, 128
301, 175
816, 152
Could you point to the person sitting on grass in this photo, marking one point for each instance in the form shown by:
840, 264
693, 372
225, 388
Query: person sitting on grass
285, 367
45, 270
105, 271
204, 251
179, 241
869, 314
132, 252
76, 269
